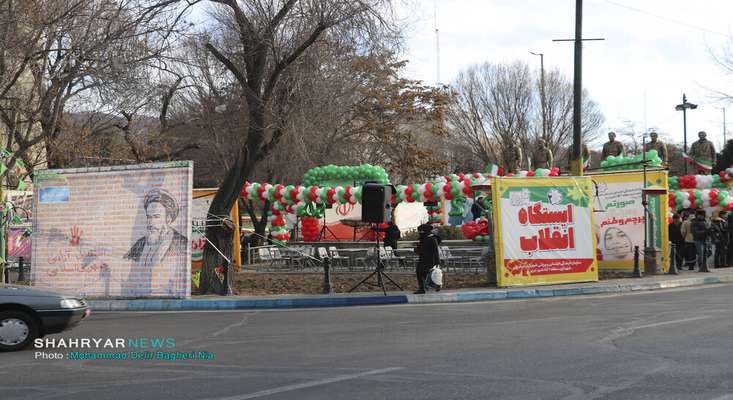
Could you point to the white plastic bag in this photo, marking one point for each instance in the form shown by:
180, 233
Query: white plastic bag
436, 275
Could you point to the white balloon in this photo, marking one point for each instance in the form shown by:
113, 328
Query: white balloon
686, 203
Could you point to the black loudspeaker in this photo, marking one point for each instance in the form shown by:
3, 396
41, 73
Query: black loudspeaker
374, 203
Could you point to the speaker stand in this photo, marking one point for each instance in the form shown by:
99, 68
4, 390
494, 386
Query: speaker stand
379, 272
324, 229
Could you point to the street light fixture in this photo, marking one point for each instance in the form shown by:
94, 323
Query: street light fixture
684, 107
542, 93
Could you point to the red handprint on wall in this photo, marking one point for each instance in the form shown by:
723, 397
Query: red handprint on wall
75, 236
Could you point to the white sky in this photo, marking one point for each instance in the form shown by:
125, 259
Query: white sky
659, 52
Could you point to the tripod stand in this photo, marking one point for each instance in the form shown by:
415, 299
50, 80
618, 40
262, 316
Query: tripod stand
324, 229
379, 271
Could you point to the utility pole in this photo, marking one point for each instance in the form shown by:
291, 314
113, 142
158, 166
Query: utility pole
437, 44
542, 94
576, 158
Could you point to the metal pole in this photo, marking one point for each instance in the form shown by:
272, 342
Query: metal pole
673, 261
576, 164
684, 125
643, 192
327, 287
543, 99
21, 273
724, 128
637, 271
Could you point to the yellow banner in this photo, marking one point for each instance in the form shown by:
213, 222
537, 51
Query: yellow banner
544, 230
620, 220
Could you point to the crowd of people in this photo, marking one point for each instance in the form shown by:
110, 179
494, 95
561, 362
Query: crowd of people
695, 237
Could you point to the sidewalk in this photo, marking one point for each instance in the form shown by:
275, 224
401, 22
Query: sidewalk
656, 282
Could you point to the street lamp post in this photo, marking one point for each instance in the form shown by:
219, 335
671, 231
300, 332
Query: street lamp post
684, 107
542, 93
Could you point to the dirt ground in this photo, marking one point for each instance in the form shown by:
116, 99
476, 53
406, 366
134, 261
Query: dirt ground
256, 283
262, 283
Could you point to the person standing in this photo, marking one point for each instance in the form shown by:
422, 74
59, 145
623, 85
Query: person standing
700, 232
703, 154
689, 247
678, 241
542, 156
476, 208
391, 235
612, 147
513, 158
428, 255
657, 145
719, 233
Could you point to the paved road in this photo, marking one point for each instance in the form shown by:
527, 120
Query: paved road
655, 345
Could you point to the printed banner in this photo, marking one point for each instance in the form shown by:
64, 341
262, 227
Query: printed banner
200, 210
620, 221
544, 231
114, 231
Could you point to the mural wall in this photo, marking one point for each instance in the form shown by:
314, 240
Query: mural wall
114, 231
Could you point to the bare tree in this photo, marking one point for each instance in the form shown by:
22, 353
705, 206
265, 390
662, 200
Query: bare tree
270, 36
495, 105
492, 108
56, 53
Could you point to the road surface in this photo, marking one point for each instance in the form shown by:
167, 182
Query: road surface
674, 344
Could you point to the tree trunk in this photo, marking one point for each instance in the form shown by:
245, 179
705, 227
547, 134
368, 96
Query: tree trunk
260, 224
219, 235
221, 205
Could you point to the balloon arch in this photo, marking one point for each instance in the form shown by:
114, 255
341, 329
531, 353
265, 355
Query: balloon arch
710, 192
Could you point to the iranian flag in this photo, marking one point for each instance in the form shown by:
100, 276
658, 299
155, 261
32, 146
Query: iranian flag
701, 166
494, 170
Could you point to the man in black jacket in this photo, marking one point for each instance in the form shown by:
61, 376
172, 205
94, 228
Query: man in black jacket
678, 241
719, 236
429, 256
700, 232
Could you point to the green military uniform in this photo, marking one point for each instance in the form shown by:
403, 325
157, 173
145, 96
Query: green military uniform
612, 149
660, 147
542, 158
703, 151
514, 158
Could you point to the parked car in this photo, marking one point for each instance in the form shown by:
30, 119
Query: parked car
28, 313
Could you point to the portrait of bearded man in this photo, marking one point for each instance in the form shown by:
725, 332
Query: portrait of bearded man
159, 250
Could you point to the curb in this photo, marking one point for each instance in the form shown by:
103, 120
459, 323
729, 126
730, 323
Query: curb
430, 298
242, 304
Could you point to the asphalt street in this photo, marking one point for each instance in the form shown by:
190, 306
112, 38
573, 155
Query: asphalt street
672, 344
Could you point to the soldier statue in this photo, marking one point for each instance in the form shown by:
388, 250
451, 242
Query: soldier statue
585, 155
612, 147
657, 145
542, 156
514, 158
703, 153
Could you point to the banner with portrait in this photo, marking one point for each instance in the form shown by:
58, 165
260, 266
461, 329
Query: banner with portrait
620, 220
114, 232
544, 231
